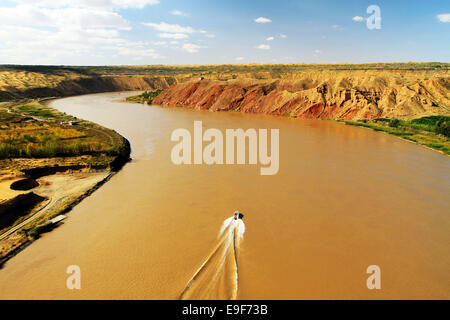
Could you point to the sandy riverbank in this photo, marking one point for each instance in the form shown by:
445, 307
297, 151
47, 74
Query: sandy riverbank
35, 186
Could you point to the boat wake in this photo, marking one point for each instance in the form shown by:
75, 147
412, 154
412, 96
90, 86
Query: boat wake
217, 278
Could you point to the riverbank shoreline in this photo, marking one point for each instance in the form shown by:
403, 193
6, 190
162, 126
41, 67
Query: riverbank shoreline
63, 209
63, 181
427, 139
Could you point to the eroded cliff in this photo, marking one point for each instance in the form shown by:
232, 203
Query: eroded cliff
69, 86
328, 94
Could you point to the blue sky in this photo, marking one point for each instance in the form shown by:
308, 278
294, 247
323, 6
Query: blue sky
101, 32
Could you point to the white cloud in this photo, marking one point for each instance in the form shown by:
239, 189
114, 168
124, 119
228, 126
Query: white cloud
190, 47
63, 31
175, 31
135, 52
82, 31
263, 47
445, 17
103, 4
173, 35
262, 20
37, 46
358, 18
337, 27
178, 13
270, 38
166, 27
283, 36
133, 49
26, 15
317, 52
239, 58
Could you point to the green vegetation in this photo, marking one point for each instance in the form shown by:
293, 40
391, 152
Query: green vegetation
150, 95
36, 232
35, 131
146, 96
34, 111
30, 130
394, 123
432, 131
444, 129
436, 124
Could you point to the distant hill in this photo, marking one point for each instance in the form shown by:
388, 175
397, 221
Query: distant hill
343, 91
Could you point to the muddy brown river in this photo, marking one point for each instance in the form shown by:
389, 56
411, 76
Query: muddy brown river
344, 198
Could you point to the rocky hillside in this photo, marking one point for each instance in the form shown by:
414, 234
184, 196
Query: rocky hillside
338, 91
321, 94
83, 85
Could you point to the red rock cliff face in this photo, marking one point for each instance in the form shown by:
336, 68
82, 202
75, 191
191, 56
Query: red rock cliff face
338, 96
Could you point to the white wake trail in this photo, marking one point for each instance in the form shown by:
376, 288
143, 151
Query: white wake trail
217, 277
241, 231
225, 225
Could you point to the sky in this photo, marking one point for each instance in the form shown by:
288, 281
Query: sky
146, 32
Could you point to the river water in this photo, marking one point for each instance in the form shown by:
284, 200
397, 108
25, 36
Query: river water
344, 198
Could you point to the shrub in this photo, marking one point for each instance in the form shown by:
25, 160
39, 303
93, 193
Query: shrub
394, 123
431, 120
150, 95
382, 120
443, 128
36, 232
